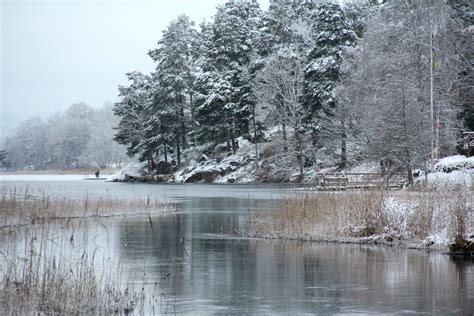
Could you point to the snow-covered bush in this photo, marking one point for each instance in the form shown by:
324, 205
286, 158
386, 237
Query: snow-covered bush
453, 163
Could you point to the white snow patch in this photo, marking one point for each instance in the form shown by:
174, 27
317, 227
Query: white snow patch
463, 178
366, 167
133, 169
453, 163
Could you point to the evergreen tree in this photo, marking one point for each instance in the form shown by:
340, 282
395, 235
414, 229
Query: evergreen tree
276, 28
221, 86
133, 111
358, 14
174, 73
332, 36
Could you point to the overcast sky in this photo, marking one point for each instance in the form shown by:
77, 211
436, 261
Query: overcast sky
59, 52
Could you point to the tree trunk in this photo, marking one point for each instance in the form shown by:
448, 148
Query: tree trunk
406, 138
193, 122
409, 174
178, 152
151, 163
343, 150
285, 138
227, 138
232, 135
166, 153
183, 125
255, 137
299, 150
227, 132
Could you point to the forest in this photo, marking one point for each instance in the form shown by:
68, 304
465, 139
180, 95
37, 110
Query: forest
365, 81
80, 137
309, 84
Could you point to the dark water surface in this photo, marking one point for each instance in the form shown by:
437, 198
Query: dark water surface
191, 261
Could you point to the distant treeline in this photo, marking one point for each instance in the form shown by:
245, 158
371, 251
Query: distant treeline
79, 137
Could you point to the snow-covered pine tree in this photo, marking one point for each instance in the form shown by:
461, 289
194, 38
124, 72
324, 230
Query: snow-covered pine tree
221, 113
161, 128
133, 111
276, 28
175, 73
332, 36
358, 14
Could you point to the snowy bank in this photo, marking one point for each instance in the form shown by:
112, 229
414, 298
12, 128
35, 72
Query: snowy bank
430, 219
130, 171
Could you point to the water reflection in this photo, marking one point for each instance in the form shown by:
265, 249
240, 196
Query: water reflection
194, 265
203, 270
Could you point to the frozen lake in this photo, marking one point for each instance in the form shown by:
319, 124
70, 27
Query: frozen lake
191, 261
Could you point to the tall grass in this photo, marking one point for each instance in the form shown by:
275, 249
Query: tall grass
427, 217
39, 276
23, 207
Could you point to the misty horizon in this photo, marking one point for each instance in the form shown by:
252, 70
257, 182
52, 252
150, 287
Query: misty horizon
59, 53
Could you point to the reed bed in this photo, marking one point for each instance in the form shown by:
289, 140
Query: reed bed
425, 218
23, 207
38, 276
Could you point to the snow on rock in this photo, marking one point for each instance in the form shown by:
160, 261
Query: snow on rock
131, 170
213, 170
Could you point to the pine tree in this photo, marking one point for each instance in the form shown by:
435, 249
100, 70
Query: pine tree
276, 29
333, 34
174, 73
222, 111
357, 15
133, 111
322, 73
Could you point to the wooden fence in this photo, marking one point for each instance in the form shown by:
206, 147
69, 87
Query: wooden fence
358, 181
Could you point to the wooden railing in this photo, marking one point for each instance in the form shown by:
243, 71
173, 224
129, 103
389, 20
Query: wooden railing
358, 181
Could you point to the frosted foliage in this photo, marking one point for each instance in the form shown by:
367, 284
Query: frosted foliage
385, 94
79, 137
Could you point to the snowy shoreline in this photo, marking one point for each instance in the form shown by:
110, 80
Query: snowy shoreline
440, 220
240, 168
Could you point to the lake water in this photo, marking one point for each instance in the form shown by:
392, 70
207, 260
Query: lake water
191, 263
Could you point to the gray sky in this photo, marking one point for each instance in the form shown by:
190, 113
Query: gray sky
59, 52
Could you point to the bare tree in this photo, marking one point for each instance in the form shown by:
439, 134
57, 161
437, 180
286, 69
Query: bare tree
279, 87
386, 91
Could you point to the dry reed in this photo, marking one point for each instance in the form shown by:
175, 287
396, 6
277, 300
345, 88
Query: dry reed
22, 207
39, 277
423, 218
